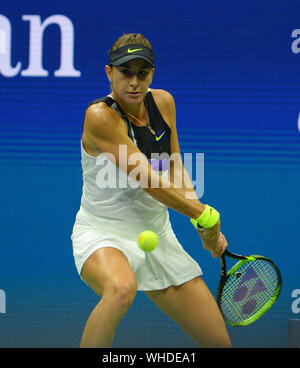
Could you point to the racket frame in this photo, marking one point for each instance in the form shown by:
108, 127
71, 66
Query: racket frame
225, 276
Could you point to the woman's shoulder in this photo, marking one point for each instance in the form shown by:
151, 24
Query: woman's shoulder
162, 97
160, 93
101, 118
101, 112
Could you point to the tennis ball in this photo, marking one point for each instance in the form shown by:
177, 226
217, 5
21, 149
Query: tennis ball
147, 240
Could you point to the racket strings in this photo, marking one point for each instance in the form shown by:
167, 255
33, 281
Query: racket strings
248, 290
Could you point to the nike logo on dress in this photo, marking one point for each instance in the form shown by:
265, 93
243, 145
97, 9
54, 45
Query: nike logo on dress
133, 50
159, 137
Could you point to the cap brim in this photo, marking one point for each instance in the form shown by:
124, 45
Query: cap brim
127, 58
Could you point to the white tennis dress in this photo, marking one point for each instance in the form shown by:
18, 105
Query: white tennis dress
113, 211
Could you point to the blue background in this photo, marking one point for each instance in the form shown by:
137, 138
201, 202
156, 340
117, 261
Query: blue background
235, 80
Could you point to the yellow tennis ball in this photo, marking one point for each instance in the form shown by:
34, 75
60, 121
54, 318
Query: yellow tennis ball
147, 240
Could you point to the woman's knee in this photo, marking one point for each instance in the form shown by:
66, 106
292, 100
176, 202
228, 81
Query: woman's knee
109, 274
121, 292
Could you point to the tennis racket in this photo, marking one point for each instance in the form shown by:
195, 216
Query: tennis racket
248, 289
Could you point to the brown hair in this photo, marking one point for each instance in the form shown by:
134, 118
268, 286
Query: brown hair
131, 38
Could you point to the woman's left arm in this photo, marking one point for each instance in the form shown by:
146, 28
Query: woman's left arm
212, 239
178, 175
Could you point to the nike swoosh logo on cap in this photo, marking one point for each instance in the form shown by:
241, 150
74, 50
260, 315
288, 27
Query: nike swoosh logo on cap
159, 137
133, 50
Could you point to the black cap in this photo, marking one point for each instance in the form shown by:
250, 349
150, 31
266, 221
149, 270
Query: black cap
130, 52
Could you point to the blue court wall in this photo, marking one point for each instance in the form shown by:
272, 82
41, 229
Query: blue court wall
233, 69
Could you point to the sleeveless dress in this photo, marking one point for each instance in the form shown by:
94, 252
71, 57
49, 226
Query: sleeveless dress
114, 209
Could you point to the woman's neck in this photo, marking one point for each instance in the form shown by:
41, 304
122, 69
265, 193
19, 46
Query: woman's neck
137, 111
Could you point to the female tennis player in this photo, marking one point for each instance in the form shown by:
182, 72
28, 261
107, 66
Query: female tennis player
125, 136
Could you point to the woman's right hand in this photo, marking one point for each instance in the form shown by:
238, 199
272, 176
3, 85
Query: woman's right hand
213, 240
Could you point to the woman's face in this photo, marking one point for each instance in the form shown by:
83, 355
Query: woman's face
130, 81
